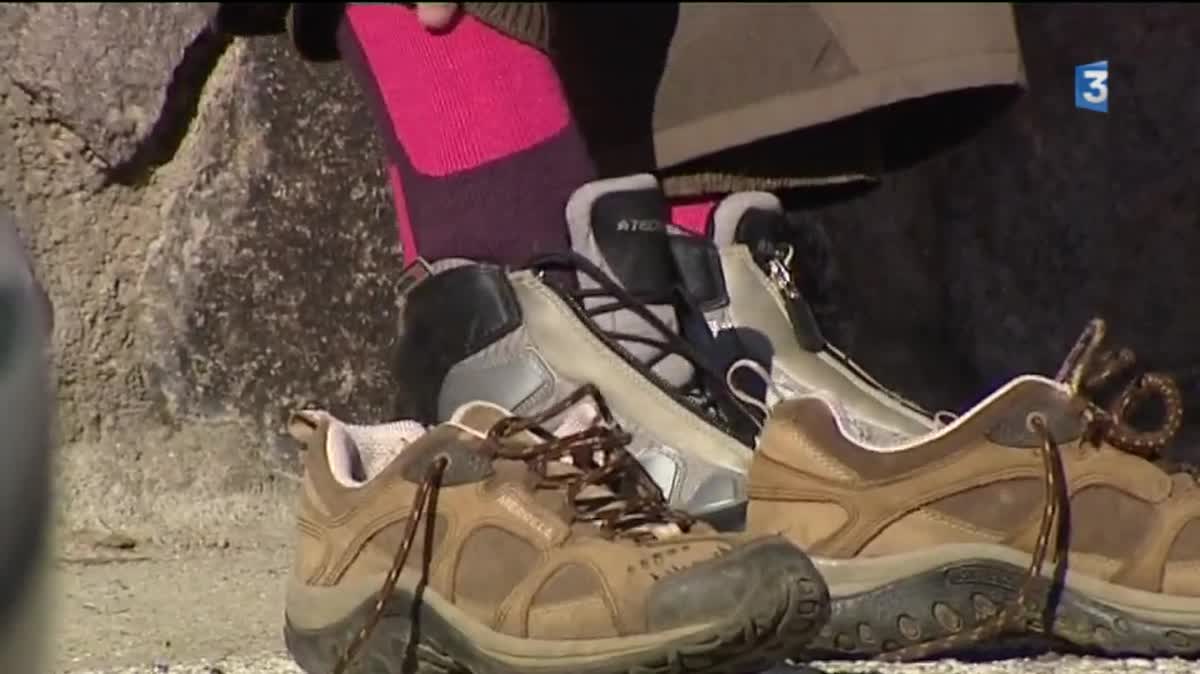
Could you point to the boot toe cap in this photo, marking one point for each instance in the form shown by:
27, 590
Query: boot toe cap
750, 577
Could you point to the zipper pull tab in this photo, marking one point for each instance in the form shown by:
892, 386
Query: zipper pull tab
804, 324
779, 271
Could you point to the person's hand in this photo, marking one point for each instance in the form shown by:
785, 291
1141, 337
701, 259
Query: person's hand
436, 15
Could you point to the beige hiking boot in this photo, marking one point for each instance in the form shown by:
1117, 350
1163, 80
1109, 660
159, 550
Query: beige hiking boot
953, 540
551, 554
764, 311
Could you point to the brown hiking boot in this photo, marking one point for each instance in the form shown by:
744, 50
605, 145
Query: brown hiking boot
546, 554
951, 541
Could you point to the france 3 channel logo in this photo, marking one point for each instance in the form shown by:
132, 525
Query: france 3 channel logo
1091, 86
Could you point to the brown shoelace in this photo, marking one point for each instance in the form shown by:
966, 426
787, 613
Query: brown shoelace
1086, 370
599, 457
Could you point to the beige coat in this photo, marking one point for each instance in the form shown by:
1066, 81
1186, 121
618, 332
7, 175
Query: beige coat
720, 96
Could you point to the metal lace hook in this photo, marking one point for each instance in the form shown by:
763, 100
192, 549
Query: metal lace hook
1082, 353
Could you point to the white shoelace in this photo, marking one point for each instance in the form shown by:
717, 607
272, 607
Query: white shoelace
777, 390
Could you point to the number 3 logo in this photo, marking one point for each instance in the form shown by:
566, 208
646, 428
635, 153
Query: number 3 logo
1097, 84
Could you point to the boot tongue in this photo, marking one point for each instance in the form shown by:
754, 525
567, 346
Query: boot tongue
621, 226
480, 417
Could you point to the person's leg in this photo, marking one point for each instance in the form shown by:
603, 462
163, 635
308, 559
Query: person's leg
25, 487
482, 150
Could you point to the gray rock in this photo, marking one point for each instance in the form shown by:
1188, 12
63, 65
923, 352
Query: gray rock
102, 68
212, 266
279, 264
246, 276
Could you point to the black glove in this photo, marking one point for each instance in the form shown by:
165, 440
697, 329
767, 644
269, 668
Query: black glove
311, 26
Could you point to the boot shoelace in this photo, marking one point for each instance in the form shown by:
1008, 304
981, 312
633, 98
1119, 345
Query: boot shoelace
637, 500
782, 390
1085, 370
710, 391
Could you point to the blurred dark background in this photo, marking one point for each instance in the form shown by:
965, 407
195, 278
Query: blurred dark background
981, 259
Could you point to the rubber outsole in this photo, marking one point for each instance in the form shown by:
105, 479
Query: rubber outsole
413, 638
957, 597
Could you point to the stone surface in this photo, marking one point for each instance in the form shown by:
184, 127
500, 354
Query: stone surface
202, 294
280, 262
103, 68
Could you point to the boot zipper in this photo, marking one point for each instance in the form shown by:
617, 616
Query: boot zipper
779, 273
804, 324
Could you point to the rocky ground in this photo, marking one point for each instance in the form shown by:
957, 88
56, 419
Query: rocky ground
147, 610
